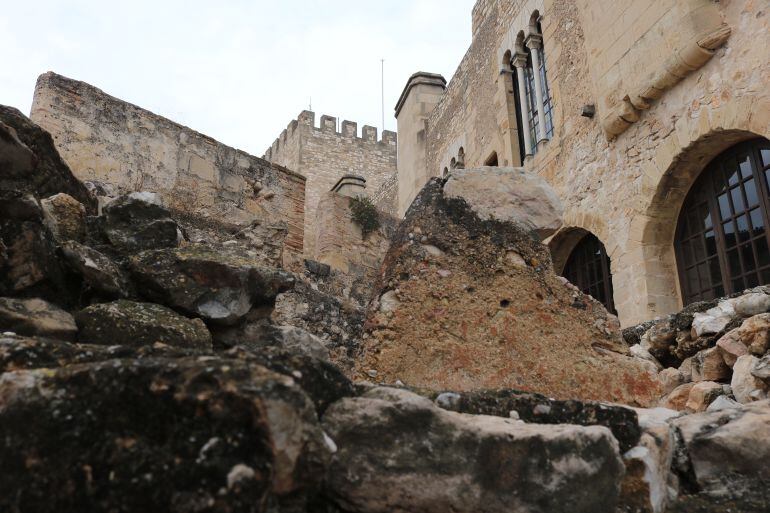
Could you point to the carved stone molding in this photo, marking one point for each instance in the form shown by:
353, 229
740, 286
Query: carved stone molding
681, 63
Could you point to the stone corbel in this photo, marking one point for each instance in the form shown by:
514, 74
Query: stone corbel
683, 62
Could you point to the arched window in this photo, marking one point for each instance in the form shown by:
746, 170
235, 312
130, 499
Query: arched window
531, 89
722, 241
588, 268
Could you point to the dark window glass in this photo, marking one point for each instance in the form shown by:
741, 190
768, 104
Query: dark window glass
733, 254
588, 268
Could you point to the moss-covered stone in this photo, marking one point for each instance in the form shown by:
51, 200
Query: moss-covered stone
218, 285
130, 323
173, 435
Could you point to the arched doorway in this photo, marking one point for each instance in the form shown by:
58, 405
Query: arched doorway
588, 268
722, 241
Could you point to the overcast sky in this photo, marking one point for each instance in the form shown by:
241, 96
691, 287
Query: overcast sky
236, 70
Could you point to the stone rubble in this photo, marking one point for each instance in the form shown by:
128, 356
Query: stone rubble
150, 362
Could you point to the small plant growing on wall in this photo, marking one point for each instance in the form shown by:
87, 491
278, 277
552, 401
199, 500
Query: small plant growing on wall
365, 214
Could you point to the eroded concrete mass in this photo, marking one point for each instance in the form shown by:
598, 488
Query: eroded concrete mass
466, 303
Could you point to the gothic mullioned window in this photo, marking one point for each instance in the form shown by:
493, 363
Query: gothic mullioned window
588, 268
722, 242
532, 91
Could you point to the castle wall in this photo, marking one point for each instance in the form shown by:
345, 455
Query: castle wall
107, 140
664, 109
341, 244
323, 155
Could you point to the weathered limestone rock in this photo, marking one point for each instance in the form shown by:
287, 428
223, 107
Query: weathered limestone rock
746, 387
257, 332
35, 317
702, 394
755, 334
724, 456
659, 339
677, 399
43, 173
467, 318
65, 217
723, 403
751, 304
322, 382
670, 378
138, 221
761, 369
217, 285
392, 456
709, 365
99, 273
714, 320
139, 324
337, 321
640, 352
645, 487
20, 353
538, 409
158, 435
509, 195
31, 267
297, 340
731, 348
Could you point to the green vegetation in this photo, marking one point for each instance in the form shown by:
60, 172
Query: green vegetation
365, 214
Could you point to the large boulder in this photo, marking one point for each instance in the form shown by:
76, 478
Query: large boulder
321, 381
397, 452
139, 324
35, 317
218, 285
19, 353
183, 435
30, 163
139, 221
467, 303
508, 194
538, 409
723, 460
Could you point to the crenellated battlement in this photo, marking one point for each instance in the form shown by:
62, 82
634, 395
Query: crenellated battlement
328, 125
323, 149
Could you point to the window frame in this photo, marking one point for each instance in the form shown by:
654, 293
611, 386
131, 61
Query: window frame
588, 267
703, 201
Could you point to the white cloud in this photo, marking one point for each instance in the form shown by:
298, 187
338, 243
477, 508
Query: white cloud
237, 70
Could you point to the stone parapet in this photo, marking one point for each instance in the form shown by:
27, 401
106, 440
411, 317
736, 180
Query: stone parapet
125, 148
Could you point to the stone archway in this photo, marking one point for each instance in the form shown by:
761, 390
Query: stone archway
678, 162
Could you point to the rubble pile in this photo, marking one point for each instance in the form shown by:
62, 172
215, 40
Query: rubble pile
155, 363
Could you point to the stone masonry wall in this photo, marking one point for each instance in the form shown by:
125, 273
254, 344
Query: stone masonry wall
340, 242
126, 148
323, 155
627, 190
385, 198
